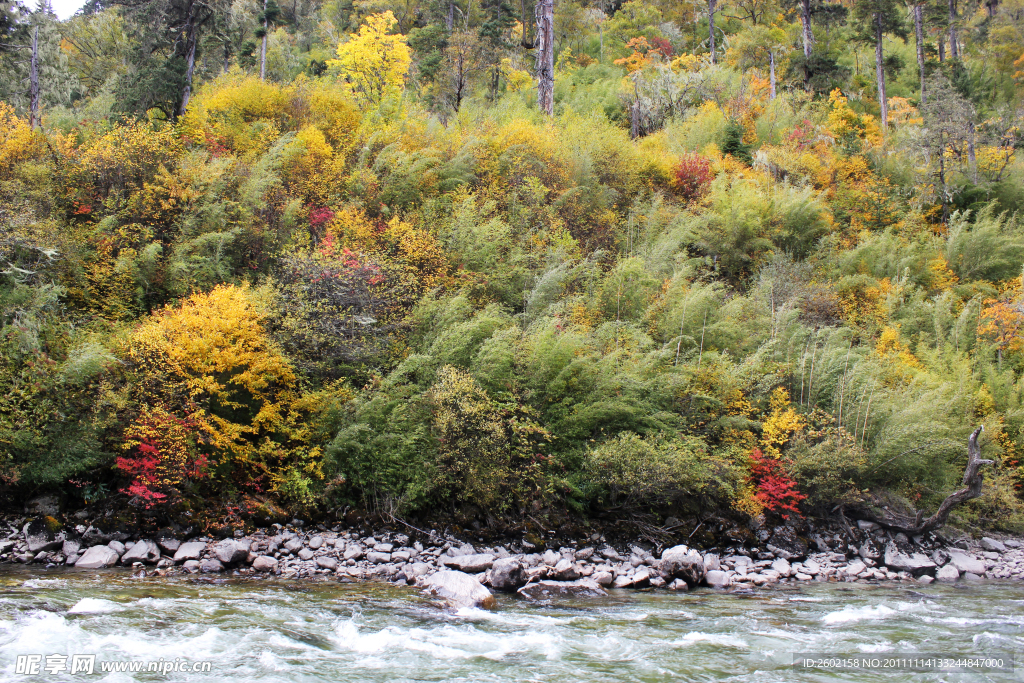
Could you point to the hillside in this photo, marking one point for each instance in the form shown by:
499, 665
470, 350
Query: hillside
759, 259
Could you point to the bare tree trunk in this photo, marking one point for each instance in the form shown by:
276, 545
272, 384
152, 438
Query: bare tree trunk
954, 48
263, 46
972, 159
449, 20
880, 73
805, 22
942, 49
190, 62
712, 8
33, 82
771, 72
546, 56
919, 37
972, 483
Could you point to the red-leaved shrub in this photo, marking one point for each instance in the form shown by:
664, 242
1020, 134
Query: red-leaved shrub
776, 490
693, 175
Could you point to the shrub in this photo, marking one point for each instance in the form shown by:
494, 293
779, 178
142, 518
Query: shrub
776, 490
692, 176
660, 470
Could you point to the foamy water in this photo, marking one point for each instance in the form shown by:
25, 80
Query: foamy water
276, 631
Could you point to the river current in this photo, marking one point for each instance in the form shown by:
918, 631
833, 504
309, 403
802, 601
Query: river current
253, 630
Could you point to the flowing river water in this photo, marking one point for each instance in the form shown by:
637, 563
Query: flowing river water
253, 630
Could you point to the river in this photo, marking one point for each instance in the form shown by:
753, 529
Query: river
252, 630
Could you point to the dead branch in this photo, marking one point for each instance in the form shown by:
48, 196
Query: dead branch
971, 489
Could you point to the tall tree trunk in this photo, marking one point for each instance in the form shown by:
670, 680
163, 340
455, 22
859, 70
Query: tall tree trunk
190, 63
808, 38
805, 23
972, 159
919, 37
712, 8
880, 72
33, 82
942, 48
449, 19
954, 48
771, 72
263, 47
545, 15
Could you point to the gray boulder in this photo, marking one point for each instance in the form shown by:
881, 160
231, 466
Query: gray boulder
419, 569
681, 562
458, 589
545, 590
993, 545
93, 536
97, 557
550, 557
211, 566
316, 542
965, 564
70, 547
144, 551
329, 563
353, 552
306, 554
293, 545
947, 573
471, 564
507, 574
912, 563
117, 547
189, 551
565, 570
378, 558
265, 563
168, 544
230, 551
40, 538
716, 578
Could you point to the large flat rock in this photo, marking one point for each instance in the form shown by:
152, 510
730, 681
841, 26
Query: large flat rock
144, 551
471, 564
965, 564
458, 589
914, 563
97, 557
189, 551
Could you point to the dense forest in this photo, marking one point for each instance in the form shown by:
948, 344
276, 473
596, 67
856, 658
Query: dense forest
495, 261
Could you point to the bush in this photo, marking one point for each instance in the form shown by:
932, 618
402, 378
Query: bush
692, 176
661, 470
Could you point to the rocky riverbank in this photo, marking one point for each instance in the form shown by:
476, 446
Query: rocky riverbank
463, 574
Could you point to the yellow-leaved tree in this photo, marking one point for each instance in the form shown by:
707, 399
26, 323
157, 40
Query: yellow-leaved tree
374, 62
210, 364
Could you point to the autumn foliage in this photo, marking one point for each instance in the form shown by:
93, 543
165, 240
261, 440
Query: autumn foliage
775, 490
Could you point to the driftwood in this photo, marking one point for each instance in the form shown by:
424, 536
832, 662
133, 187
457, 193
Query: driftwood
971, 489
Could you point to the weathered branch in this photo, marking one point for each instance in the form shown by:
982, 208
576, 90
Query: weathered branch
972, 483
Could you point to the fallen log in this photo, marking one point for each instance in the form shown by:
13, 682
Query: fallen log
971, 489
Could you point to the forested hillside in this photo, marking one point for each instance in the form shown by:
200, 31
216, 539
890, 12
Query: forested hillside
495, 261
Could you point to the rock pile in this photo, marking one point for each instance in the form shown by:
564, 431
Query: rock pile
443, 565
